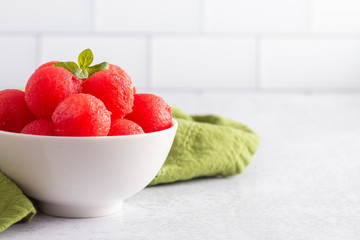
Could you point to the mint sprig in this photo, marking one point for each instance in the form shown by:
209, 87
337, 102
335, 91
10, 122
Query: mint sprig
98, 67
85, 59
70, 66
79, 73
83, 70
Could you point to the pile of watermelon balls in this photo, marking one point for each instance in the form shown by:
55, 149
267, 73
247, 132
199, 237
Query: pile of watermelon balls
69, 99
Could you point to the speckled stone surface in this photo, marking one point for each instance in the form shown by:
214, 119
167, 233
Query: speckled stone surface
303, 183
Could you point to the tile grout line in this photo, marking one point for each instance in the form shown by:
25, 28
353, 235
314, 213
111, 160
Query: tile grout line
310, 11
201, 31
304, 91
182, 34
201, 19
258, 62
148, 77
38, 49
93, 16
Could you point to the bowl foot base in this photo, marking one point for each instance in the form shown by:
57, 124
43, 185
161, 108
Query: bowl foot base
72, 211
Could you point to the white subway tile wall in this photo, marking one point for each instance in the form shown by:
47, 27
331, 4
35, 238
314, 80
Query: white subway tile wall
336, 16
310, 63
203, 62
191, 45
45, 16
147, 16
17, 61
257, 16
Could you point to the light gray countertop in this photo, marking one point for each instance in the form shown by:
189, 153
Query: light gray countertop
303, 183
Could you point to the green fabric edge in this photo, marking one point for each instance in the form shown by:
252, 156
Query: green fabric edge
182, 162
17, 208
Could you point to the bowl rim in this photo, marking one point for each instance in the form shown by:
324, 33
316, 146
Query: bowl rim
23, 135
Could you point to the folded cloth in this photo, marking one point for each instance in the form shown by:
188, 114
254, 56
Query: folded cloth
14, 205
207, 146
204, 146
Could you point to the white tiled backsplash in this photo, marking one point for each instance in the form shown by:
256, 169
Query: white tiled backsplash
187, 45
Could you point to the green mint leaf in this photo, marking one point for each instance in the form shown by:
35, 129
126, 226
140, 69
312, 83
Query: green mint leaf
70, 66
98, 67
83, 70
80, 73
85, 59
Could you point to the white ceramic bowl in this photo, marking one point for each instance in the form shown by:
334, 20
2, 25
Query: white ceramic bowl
83, 176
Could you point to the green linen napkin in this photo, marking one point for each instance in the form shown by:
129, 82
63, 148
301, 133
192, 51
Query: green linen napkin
207, 146
14, 205
204, 146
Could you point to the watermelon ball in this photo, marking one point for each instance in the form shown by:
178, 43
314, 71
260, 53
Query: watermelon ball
113, 89
151, 112
14, 113
124, 127
48, 64
39, 127
118, 70
81, 115
47, 87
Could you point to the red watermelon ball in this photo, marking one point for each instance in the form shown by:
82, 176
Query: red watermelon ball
39, 127
124, 127
118, 70
48, 64
14, 113
151, 112
81, 115
47, 87
113, 89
